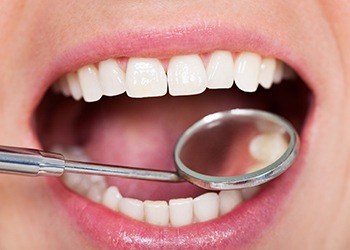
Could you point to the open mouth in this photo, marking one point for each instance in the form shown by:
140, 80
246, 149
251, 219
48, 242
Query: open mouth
130, 111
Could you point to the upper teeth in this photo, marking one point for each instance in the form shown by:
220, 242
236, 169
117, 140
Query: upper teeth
185, 75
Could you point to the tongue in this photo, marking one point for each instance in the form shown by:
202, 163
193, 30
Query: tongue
142, 133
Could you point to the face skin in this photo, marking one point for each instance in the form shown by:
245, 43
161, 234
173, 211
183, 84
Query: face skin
37, 38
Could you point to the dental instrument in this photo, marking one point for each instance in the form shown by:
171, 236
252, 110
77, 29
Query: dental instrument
197, 153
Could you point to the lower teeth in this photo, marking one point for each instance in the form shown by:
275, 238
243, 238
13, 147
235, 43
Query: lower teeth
176, 212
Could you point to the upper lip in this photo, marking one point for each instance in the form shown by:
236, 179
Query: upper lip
237, 228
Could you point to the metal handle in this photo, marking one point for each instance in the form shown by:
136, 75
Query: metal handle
31, 162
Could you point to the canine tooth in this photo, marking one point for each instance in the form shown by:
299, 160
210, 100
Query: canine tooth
229, 200
89, 83
206, 207
112, 78
64, 86
186, 75
132, 208
248, 193
247, 68
145, 77
111, 198
181, 212
220, 70
157, 212
268, 147
277, 78
96, 191
267, 71
74, 86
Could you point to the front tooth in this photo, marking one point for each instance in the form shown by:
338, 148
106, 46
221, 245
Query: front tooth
74, 85
277, 78
186, 75
145, 77
112, 78
247, 68
268, 147
132, 208
181, 212
267, 71
229, 200
111, 198
220, 70
89, 83
206, 207
157, 212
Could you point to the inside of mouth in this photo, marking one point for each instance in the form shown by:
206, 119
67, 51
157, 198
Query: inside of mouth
143, 132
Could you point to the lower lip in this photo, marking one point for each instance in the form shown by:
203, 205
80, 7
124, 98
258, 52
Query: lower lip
241, 227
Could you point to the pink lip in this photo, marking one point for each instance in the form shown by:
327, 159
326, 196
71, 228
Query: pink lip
237, 229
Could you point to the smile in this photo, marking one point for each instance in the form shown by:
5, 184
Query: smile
128, 107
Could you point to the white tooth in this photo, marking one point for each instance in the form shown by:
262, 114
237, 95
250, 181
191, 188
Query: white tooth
277, 78
112, 78
76, 153
229, 200
186, 75
181, 212
267, 71
64, 86
111, 198
74, 85
247, 68
89, 83
157, 212
132, 208
72, 180
248, 193
268, 147
96, 191
206, 207
83, 186
145, 77
220, 70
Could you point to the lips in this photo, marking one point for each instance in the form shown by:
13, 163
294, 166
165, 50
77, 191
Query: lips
240, 227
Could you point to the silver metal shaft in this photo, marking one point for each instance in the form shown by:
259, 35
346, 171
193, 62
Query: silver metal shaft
33, 162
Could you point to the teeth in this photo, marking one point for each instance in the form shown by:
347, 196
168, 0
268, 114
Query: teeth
74, 86
246, 71
248, 193
278, 72
220, 70
64, 87
181, 212
268, 147
206, 207
229, 200
267, 71
111, 198
145, 77
111, 77
96, 191
90, 86
132, 208
186, 75
157, 212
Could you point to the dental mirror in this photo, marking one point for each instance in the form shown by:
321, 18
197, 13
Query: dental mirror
232, 149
